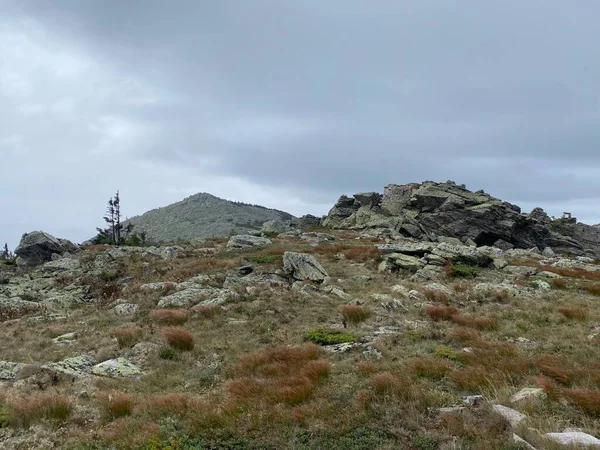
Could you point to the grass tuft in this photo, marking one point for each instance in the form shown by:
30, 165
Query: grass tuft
178, 338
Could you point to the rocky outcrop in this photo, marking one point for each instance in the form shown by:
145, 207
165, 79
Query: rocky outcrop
39, 247
429, 210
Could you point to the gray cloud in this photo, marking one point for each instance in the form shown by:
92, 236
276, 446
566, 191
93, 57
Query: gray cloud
292, 103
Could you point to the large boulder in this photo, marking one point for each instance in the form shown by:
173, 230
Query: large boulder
247, 241
462, 254
38, 247
302, 266
276, 226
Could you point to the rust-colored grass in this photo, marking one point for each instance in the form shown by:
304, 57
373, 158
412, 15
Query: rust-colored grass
435, 295
438, 313
465, 335
116, 404
27, 409
127, 336
169, 404
169, 316
208, 311
362, 254
550, 387
475, 322
387, 384
178, 338
593, 289
433, 368
556, 368
355, 314
586, 399
572, 313
558, 283
569, 272
286, 375
365, 368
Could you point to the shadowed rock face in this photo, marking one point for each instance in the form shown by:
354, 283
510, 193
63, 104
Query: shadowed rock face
429, 210
38, 247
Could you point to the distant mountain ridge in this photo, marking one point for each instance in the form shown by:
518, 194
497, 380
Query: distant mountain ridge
202, 216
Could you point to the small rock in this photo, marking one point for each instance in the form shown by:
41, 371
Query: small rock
520, 440
341, 348
473, 400
66, 338
527, 394
548, 253
123, 309
77, 366
513, 416
499, 264
541, 285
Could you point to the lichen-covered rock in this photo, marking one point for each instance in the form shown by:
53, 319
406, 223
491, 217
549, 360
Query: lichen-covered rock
9, 370
65, 339
276, 226
462, 254
76, 366
117, 368
400, 261
38, 247
247, 241
195, 295
302, 266
123, 309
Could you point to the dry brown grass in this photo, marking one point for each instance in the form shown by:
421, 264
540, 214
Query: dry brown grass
127, 336
433, 368
207, 311
27, 409
558, 283
355, 314
277, 375
556, 368
586, 399
573, 313
169, 316
362, 254
178, 338
569, 272
169, 404
388, 384
438, 313
435, 295
116, 404
593, 289
365, 368
465, 335
475, 322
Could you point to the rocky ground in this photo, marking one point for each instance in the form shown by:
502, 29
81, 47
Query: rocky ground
324, 340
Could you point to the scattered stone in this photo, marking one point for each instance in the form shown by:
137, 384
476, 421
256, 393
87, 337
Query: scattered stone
547, 274
574, 438
499, 264
171, 252
65, 339
124, 309
463, 254
302, 266
9, 370
372, 353
341, 348
338, 292
520, 270
528, 394
541, 285
513, 416
247, 241
451, 409
548, 253
275, 226
439, 288
117, 368
473, 400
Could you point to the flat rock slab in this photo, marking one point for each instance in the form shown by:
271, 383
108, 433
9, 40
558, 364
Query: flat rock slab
65, 339
77, 366
528, 394
574, 438
247, 241
117, 368
408, 248
9, 370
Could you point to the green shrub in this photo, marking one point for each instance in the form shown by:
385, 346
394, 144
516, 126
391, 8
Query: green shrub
424, 443
167, 353
447, 352
329, 337
462, 271
270, 234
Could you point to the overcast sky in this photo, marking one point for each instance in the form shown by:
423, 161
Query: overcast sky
291, 103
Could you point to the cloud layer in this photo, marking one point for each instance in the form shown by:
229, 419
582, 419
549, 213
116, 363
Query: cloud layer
292, 103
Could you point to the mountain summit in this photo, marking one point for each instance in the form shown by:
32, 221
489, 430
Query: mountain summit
203, 215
